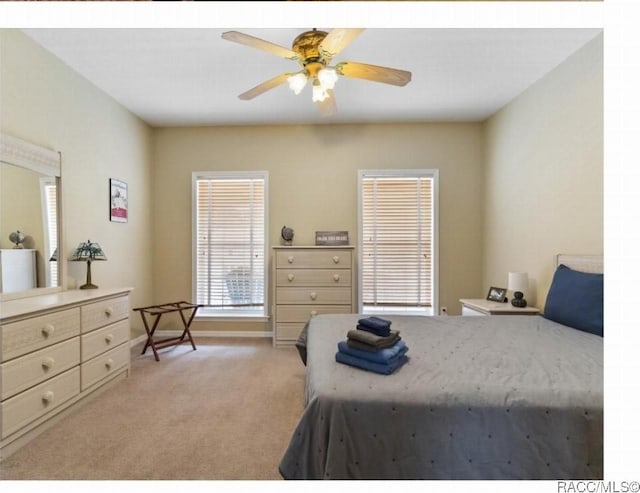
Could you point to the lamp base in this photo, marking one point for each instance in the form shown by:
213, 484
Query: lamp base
88, 286
518, 300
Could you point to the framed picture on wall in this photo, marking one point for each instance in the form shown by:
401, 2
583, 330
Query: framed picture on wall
118, 201
496, 294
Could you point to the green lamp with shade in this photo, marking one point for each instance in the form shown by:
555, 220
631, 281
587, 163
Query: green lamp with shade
88, 252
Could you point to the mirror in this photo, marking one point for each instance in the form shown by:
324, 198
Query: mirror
29, 219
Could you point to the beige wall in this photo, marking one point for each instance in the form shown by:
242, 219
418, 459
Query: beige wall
313, 186
514, 191
21, 209
20, 206
544, 174
43, 101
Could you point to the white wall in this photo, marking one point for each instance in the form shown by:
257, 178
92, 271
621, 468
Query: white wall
544, 174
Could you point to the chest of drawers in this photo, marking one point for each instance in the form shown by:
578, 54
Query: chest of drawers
55, 351
309, 281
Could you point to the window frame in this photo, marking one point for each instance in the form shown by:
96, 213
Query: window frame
402, 173
225, 314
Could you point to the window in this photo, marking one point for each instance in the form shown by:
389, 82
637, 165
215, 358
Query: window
397, 211
229, 214
49, 193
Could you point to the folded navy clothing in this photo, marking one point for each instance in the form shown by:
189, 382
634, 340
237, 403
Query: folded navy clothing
375, 323
382, 356
372, 340
378, 332
364, 364
372, 325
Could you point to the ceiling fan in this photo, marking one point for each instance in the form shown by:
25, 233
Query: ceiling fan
314, 50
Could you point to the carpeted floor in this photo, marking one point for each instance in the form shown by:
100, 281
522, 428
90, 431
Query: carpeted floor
225, 411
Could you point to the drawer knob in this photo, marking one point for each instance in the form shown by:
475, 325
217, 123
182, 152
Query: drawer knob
48, 330
291, 277
290, 259
47, 363
336, 277
336, 259
108, 338
313, 313
313, 295
47, 397
109, 311
108, 364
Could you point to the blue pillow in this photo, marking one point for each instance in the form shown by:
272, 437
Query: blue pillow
576, 299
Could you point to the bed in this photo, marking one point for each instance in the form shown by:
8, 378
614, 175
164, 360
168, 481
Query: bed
502, 397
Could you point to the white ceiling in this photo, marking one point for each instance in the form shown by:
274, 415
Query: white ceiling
180, 77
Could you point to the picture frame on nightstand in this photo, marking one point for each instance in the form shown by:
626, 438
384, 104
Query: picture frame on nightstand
497, 294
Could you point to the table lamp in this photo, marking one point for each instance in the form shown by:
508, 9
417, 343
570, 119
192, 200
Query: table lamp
518, 283
88, 252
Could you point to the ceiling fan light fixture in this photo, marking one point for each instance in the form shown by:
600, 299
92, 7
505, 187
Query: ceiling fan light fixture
297, 82
328, 78
319, 92
314, 51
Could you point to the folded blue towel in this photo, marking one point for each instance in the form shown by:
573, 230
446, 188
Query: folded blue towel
375, 325
384, 369
383, 356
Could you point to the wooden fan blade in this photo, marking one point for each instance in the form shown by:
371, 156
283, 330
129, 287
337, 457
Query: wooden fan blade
336, 41
264, 87
328, 106
261, 44
374, 73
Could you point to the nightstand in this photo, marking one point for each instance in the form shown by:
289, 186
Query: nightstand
475, 307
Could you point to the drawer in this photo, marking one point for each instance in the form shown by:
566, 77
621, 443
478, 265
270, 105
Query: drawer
302, 313
104, 365
313, 296
288, 331
22, 409
22, 337
105, 312
313, 277
102, 340
314, 259
21, 373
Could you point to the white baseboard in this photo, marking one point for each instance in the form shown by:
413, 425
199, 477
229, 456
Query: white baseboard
137, 340
203, 333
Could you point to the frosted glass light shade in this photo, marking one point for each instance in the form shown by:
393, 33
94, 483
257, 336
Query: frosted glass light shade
297, 82
328, 78
319, 93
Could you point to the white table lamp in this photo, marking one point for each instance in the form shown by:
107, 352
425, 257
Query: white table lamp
519, 284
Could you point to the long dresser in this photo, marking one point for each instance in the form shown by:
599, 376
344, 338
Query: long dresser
55, 351
308, 281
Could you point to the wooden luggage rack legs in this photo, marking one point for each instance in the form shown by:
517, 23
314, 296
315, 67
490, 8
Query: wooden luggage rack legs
183, 308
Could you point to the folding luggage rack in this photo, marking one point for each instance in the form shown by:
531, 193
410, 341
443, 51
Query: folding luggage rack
183, 308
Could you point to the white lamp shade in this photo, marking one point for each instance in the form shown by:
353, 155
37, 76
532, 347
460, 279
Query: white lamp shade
319, 93
297, 82
518, 281
328, 78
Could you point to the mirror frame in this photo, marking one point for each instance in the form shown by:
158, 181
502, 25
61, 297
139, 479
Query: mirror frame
47, 162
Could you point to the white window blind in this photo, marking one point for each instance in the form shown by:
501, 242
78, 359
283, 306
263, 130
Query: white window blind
50, 216
397, 242
230, 243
